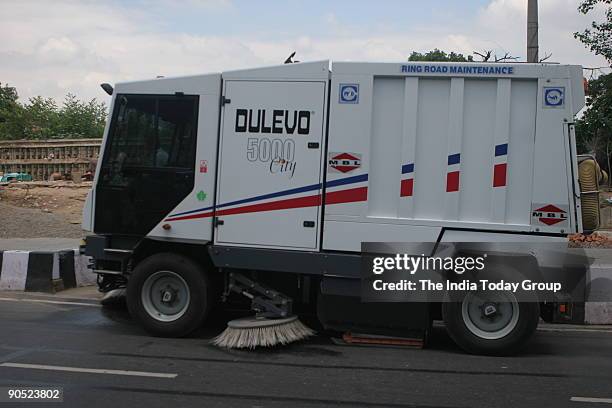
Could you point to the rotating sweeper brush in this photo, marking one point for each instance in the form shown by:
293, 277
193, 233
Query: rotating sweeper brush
273, 323
252, 332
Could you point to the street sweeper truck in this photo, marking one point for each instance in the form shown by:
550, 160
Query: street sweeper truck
257, 188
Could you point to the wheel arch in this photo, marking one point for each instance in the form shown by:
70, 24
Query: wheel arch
196, 252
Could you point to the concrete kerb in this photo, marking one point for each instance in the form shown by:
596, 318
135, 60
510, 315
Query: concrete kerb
39, 271
598, 307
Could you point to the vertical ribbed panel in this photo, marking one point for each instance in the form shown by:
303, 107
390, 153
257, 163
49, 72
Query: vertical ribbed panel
497, 158
477, 144
521, 145
409, 141
385, 147
455, 135
431, 153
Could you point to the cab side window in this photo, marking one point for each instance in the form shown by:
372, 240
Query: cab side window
148, 166
151, 131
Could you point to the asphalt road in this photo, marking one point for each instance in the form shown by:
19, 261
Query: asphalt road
39, 341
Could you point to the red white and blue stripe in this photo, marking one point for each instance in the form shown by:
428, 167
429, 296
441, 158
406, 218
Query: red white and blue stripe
407, 184
500, 165
336, 193
453, 173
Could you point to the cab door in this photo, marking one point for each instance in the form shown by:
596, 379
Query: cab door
148, 163
269, 180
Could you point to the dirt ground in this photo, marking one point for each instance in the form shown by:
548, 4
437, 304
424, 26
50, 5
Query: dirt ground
42, 209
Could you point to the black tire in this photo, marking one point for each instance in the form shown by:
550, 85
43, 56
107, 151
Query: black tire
197, 306
511, 343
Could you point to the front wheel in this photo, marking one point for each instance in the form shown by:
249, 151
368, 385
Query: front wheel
492, 323
169, 295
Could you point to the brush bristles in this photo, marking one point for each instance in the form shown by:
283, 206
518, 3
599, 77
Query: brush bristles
263, 336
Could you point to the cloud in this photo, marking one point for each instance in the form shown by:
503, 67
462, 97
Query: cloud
52, 48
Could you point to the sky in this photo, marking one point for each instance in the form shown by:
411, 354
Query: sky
50, 48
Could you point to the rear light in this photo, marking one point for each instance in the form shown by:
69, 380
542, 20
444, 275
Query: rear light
564, 311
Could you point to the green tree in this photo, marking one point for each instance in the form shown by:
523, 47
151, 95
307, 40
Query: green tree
8, 96
78, 119
594, 129
439, 56
11, 113
598, 38
41, 118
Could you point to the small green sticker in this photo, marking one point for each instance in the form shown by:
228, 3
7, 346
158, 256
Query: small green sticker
201, 195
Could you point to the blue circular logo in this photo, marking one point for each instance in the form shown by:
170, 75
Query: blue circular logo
349, 93
553, 97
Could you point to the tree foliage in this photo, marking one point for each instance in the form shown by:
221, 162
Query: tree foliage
81, 118
439, 56
598, 38
594, 129
8, 96
42, 118
11, 112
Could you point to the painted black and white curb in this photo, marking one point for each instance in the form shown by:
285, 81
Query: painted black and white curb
35, 271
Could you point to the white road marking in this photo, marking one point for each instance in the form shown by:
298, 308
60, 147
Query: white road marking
571, 329
595, 400
89, 370
54, 302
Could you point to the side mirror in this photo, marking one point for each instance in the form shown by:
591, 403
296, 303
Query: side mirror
107, 88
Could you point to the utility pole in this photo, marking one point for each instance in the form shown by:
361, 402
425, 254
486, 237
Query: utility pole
532, 31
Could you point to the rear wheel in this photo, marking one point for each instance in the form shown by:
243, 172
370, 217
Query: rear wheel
493, 323
169, 295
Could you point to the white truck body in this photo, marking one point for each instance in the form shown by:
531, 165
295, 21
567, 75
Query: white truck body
267, 182
319, 156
